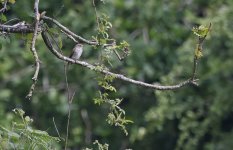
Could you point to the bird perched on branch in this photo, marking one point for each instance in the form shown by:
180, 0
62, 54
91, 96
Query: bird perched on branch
76, 52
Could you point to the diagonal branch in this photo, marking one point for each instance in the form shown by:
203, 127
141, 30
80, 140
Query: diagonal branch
106, 72
74, 36
25, 28
67, 31
33, 50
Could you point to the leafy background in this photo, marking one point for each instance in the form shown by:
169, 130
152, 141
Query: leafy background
162, 45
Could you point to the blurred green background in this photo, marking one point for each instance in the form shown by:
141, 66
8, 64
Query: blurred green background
162, 44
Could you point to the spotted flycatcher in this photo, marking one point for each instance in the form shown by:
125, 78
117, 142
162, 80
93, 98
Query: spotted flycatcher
76, 52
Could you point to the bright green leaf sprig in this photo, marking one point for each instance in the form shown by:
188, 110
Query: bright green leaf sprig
104, 25
109, 45
116, 116
105, 83
201, 32
99, 146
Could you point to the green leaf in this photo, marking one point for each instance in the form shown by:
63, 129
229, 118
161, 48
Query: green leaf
3, 18
60, 42
200, 31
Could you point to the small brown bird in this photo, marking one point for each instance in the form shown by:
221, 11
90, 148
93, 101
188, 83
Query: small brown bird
76, 52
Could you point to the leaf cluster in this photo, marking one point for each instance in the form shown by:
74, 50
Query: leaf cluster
23, 136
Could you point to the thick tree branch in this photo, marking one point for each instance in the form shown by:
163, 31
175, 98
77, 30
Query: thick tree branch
33, 49
106, 72
18, 28
25, 28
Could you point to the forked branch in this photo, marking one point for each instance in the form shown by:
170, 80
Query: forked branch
36, 28
33, 50
115, 75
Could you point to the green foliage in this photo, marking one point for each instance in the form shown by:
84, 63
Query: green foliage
104, 82
116, 116
3, 18
103, 26
159, 35
23, 136
200, 31
99, 146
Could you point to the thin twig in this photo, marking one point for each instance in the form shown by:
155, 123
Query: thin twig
118, 76
67, 31
4, 7
87, 122
76, 41
66, 80
68, 119
55, 41
199, 47
117, 54
195, 63
70, 37
70, 99
57, 129
76, 38
11, 20
33, 50
96, 14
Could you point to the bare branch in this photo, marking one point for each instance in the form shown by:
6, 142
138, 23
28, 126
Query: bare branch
57, 129
96, 14
67, 31
2, 10
104, 71
76, 38
70, 100
87, 122
18, 28
33, 50
25, 28
70, 37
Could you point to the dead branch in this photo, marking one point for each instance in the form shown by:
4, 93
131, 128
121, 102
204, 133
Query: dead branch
37, 27
70, 33
106, 72
33, 50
